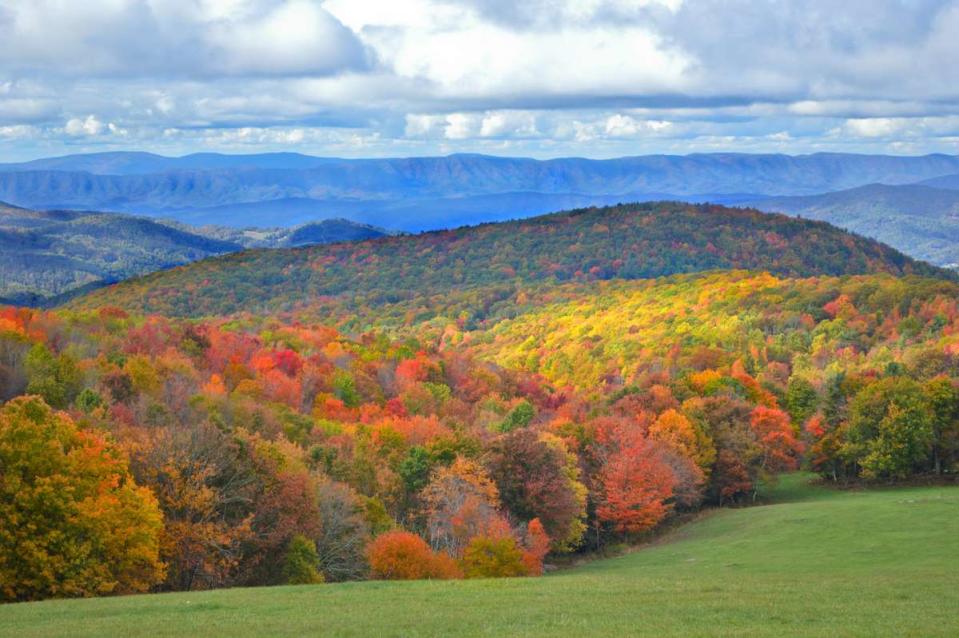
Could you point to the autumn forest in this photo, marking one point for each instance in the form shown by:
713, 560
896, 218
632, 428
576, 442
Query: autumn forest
485, 402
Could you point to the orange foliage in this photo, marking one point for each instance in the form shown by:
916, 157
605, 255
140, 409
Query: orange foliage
636, 485
400, 555
781, 448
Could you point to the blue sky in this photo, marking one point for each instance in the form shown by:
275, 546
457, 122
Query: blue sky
592, 78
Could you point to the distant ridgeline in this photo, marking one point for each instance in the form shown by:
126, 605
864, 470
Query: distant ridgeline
428, 193
49, 256
633, 241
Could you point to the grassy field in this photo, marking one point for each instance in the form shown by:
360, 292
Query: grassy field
814, 563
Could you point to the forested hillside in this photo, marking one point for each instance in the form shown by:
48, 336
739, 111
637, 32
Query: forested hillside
629, 241
48, 254
258, 450
465, 404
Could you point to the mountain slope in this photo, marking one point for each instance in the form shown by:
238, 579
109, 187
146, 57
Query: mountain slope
917, 219
631, 242
46, 254
949, 182
427, 193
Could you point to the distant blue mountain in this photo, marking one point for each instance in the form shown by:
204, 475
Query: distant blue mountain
412, 194
948, 182
918, 219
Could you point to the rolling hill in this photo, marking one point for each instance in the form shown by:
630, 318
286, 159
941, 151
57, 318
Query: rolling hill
45, 255
917, 219
414, 194
630, 242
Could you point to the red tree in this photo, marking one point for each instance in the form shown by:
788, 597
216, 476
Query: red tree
636, 484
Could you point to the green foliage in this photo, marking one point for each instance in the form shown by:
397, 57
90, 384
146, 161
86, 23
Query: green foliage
518, 417
54, 377
301, 562
890, 428
377, 518
88, 400
415, 469
802, 400
345, 388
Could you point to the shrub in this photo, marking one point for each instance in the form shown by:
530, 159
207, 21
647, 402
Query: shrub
400, 555
493, 557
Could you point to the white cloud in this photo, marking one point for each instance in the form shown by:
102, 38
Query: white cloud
540, 77
298, 36
873, 127
89, 126
19, 131
625, 126
500, 124
185, 38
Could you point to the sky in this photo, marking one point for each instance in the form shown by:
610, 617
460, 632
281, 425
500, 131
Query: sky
537, 78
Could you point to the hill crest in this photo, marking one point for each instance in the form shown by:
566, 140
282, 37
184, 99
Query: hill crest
636, 241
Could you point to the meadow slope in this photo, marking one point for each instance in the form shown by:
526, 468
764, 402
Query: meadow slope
815, 562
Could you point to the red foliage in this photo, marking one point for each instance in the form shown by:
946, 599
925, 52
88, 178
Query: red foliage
400, 555
636, 485
781, 448
537, 546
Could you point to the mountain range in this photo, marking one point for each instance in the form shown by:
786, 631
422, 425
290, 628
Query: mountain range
427, 193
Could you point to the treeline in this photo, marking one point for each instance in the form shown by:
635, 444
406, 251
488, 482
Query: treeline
154, 454
633, 241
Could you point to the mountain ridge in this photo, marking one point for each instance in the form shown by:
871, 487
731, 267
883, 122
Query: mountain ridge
635, 241
49, 256
414, 194
915, 218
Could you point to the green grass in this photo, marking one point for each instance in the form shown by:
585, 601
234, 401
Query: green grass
815, 563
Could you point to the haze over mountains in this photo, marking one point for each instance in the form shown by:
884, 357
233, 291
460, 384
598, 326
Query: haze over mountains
414, 194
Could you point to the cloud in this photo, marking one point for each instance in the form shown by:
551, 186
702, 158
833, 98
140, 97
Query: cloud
89, 126
542, 77
873, 127
176, 38
625, 126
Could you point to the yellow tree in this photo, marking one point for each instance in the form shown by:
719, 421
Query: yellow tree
74, 521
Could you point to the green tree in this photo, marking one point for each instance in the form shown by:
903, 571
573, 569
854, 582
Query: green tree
943, 397
890, 431
801, 399
518, 417
301, 563
415, 469
55, 378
